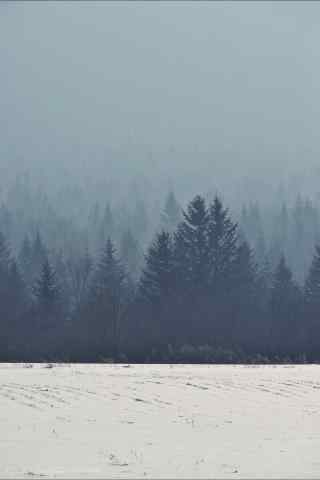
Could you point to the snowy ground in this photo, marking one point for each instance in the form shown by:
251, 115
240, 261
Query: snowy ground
159, 421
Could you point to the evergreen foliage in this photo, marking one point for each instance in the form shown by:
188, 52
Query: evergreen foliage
206, 289
171, 215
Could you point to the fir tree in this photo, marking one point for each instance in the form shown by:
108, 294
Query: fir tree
5, 256
25, 258
12, 299
191, 246
109, 296
192, 270
157, 280
245, 298
312, 302
223, 241
130, 253
107, 227
140, 221
79, 274
312, 285
39, 256
285, 306
157, 289
171, 215
46, 289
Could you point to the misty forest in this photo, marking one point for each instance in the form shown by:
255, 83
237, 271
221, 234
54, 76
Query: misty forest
130, 282
160, 199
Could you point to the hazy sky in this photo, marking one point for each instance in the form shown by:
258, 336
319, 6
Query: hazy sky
235, 78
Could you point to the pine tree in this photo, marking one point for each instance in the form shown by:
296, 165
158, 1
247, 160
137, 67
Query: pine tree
222, 245
46, 290
13, 301
39, 256
192, 270
18, 302
60, 268
5, 254
25, 258
108, 300
17, 290
157, 280
191, 246
157, 289
94, 226
245, 299
6, 221
171, 215
312, 303
131, 254
223, 241
245, 270
140, 221
107, 227
298, 238
79, 272
312, 285
285, 306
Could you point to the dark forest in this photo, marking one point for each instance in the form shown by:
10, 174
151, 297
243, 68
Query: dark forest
194, 285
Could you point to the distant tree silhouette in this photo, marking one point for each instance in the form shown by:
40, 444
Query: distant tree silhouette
191, 245
131, 254
285, 306
157, 289
223, 254
79, 272
192, 267
245, 299
108, 298
171, 214
25, 258
46, 290
39, 256
204, 289
223, 246
12, 299
107, 227
312, 303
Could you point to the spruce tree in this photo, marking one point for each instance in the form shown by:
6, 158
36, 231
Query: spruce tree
157, 289
107, 227
39, 256
9, 298
131, 254
46, 290
285, 306
192, 270
191, 247
25, 258
140, 221
223, 241
312, 303
79, 270
5, 255
108, 300
171, 215
245, 299
157, 280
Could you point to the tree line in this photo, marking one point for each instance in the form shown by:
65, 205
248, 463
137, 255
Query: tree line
198, 294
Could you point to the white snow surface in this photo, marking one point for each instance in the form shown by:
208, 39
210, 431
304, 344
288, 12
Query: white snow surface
159, 421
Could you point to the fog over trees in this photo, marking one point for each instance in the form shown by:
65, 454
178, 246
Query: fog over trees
159, 181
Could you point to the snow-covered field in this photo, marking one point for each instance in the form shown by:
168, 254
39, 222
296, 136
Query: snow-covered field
155, 421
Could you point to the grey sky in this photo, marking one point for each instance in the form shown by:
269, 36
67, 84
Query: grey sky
237, 79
